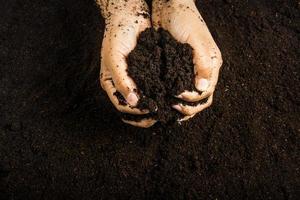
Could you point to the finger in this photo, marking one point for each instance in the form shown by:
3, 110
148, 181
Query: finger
195, 33
192, 110
206, 63
123, 83
107, 84
145, 123
206, 74
185, 118
193, 96
122, 42
206, 56
114, 59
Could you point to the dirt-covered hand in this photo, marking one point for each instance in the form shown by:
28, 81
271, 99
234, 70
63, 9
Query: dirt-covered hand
183, 20
125, 20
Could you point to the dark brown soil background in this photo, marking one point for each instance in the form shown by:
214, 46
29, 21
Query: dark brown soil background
59, 138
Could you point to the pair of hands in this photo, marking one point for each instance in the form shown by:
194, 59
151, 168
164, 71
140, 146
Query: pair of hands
125, 20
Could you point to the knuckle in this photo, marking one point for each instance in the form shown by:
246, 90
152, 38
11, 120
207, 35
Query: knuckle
102, 81
120, 85
194, 99
146, 124
216, 54
219, 58
220, 61
150, 123
203, 98
191, 98
188, 111
102, 84
209, 93
120, 108
209, 103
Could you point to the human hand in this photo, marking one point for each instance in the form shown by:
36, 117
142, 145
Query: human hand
184, 22
125, 20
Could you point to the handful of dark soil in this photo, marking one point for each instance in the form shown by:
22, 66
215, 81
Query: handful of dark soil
162, 68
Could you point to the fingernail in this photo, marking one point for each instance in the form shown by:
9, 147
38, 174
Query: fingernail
177, 107
202, 84
179, 96
132, 99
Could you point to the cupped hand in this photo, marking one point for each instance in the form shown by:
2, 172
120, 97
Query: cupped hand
125, 20
184, 22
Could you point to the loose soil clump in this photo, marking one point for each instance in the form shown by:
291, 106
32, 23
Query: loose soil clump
162, 68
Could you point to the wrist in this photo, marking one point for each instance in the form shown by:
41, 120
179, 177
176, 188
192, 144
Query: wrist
173, 1
158, 6
113, 8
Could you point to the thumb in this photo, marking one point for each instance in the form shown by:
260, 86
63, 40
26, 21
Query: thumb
123, 83
115, 62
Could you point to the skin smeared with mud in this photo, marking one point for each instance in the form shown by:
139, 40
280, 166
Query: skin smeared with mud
125, 20
184, 22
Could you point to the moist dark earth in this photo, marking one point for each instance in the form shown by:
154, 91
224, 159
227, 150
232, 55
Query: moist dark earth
60, 137
162, 68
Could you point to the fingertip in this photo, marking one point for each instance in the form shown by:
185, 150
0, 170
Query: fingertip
185, 118
145, 123
189, 96
180, 96
202, 84
177, 107
132, 99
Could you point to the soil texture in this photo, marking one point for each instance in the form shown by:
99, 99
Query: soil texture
162, 68
61, 138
